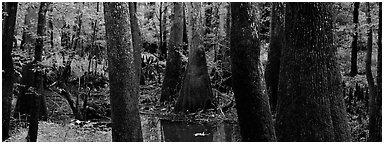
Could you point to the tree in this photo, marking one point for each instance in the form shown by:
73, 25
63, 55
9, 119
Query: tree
124, 90
163, 30
27, 39
196, 92
276, 42
374, 98
38, 98
310, 103
354, 70
172, 76
252, 103
9, 20
136, 38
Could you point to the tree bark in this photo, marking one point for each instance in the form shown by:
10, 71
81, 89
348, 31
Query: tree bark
354, 69
275, 44
136, 39
124, 90
9, 20
374, 103
310, 104
252, 103
37, 97
172, 76
196, 92
41, 33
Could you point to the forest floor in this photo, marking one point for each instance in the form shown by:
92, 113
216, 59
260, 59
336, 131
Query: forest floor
62, 127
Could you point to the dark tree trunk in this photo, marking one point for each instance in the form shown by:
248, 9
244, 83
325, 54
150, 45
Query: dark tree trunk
310, 104
41, 32
65, 36
374, 99
122, 75
252, 104
354, 70
172, 76
275, 44
33, 120
136, 39
163, 32
38, 98
10, 8
196, 92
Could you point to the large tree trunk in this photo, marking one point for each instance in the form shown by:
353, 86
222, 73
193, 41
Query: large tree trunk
172, 76
252, 104
374, 103
354, 69
122, 74
8, 72
196, 92
38, 98
310, 104
275, 44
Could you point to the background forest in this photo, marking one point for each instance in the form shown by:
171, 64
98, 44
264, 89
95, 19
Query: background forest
210, 71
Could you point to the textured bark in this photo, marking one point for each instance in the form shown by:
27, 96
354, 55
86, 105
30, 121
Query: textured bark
136, 39
275, 44
252, 103
163, 30
41, 33
122, 74
36, 96
33, 120
172, 76
310, 103
196, 92
354, 70
374, 97
8, 72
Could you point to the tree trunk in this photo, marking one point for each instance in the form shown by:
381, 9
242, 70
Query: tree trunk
38, 98
310, 104
41, 32
79, 23
185, 35
27, 39
252, 104
50, 23
354, 70
196, 92
122, 74
136, 39
275, 44
172, 76
374, 103
8, 72
33, 120
163, 34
